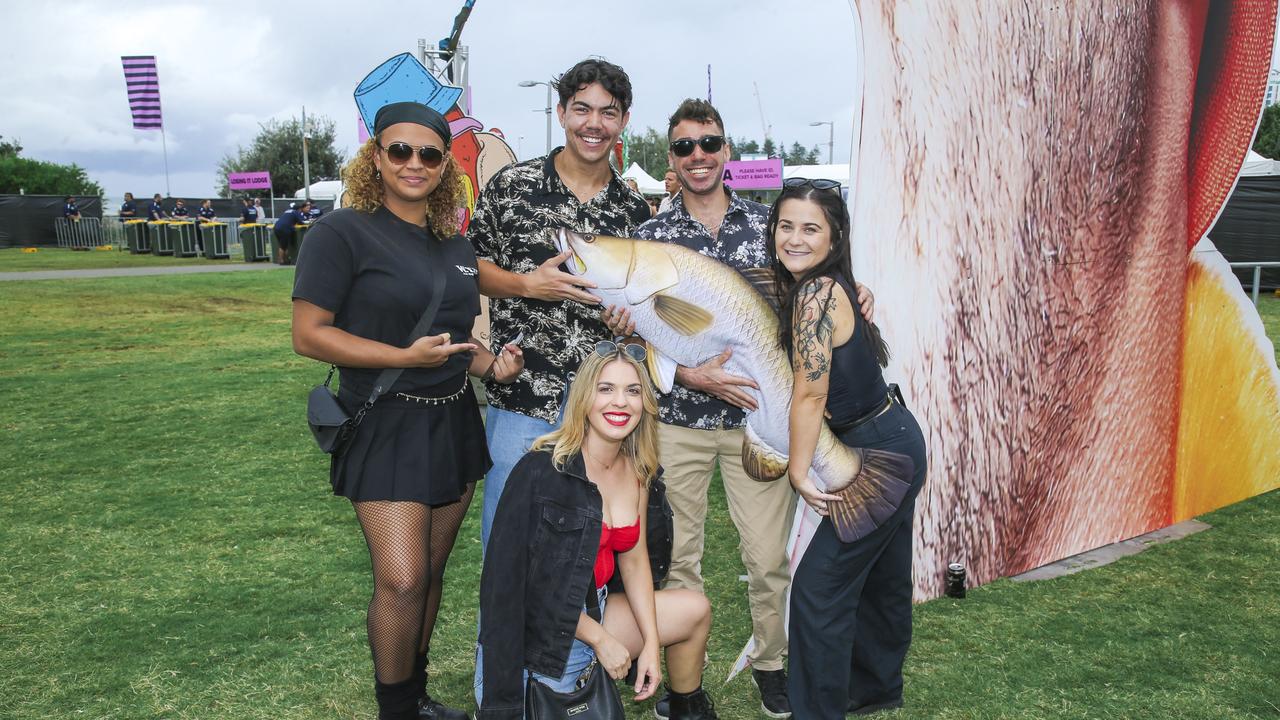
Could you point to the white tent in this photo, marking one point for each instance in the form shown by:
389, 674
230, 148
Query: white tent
1255, 164
648, 186
322, 189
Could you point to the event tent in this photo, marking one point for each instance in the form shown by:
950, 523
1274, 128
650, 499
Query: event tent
1255, 165
838, 172
648, 186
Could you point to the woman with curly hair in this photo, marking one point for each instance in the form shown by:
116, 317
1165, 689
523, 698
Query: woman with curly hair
365, 277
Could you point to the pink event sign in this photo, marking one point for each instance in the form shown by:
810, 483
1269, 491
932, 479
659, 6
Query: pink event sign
249, 180
753, 174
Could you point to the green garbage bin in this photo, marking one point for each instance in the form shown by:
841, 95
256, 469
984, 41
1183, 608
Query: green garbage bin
161, 243
135, 233
213, 236
299, 232
182, 238
256, 241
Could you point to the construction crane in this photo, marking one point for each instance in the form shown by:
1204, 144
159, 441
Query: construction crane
764, 125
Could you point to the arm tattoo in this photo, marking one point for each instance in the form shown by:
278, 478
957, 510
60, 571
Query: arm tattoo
813, 329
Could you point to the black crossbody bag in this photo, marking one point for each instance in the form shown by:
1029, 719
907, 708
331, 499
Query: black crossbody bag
332, 427
595, 698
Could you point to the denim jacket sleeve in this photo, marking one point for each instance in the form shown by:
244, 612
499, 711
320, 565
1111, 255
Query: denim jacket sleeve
502, 594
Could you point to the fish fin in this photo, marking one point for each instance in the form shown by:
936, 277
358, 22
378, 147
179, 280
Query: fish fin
652, 270
763, 281
761, 463
872, 495
687, 319
662, 369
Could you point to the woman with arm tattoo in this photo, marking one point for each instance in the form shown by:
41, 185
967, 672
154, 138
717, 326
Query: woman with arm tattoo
850, 622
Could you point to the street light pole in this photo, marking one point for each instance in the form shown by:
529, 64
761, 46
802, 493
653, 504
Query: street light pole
831, 138
535, 83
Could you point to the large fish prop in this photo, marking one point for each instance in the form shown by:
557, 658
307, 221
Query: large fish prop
689, 308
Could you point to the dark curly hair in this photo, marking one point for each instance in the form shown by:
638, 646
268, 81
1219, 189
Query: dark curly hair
697, 110
595, 70
363, 190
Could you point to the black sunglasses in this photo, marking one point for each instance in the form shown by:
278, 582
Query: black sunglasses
399, 153
709, 144
609, 348
816, 184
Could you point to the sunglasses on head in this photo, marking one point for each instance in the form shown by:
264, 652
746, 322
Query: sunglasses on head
709, 144
399, 153
816, 184
609, 348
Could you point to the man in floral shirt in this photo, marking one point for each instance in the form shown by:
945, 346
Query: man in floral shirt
552, 313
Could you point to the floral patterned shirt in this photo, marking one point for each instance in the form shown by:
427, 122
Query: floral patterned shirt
510, 228
740, 245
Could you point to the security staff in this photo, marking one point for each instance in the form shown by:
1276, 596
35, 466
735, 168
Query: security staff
69, 209
156, 211
180, 209
284, 228
206, 212
128, 209
249, 213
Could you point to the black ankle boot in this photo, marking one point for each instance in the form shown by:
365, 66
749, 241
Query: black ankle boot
696, 705
397, 701
428, 708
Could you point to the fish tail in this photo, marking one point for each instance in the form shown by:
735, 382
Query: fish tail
873, 495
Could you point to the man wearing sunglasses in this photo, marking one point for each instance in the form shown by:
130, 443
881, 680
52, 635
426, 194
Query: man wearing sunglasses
704, 415
573, 187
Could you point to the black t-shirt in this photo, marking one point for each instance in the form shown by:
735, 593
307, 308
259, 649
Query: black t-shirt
249, 214
373, 272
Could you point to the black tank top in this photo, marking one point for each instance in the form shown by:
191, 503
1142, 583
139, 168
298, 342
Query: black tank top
857, 386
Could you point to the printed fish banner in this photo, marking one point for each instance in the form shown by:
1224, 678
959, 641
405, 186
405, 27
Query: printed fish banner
142, 81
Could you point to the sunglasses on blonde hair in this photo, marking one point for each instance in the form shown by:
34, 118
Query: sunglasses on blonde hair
609, 348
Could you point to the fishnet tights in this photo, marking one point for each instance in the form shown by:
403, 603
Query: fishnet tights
409, 544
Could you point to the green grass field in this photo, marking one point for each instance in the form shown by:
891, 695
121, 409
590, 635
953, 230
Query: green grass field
15, 260
171, 548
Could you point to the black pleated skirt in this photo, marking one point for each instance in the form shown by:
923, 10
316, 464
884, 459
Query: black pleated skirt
409, 450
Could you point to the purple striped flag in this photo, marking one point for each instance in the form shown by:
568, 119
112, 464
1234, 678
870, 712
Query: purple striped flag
143, 83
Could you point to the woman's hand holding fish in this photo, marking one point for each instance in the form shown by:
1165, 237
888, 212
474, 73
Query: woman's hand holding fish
551, 283
619, 321
710, 377
812, 496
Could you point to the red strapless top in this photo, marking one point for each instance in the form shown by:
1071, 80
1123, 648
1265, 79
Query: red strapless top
613, 540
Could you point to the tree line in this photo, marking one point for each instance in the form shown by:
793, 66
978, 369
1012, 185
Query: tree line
38, 177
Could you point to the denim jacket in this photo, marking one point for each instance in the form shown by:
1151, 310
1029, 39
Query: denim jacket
538, 568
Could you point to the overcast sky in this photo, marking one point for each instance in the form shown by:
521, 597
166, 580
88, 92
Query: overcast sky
226, 67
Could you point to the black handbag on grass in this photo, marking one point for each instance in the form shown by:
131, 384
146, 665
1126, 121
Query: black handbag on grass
595, 698
330, 424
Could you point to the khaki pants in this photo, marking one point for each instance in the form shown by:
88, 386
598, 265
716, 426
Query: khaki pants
761, 512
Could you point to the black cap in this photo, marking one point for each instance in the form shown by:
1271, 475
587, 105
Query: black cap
411, 112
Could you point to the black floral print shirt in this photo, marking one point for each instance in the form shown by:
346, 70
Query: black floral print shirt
740, 245
510, 228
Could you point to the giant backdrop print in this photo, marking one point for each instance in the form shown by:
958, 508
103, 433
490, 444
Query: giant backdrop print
1031, 183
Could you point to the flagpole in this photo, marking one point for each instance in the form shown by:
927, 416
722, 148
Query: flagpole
164, 144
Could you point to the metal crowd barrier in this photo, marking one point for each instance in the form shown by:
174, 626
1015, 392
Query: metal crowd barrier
79, 234
1257, 274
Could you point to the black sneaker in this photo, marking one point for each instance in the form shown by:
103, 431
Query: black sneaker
773, 692
696, 705
662, 708
429, 709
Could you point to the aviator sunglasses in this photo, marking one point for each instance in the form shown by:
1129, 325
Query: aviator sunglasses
609, 348
815, 183
709, 144
399, 153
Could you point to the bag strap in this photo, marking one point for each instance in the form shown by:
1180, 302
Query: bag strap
593, 600
389, 376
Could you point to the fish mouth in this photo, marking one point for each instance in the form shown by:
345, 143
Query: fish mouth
564, 243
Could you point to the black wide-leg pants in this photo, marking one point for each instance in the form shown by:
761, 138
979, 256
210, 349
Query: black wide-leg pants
850, 623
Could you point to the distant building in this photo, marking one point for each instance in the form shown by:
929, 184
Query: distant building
1273, 89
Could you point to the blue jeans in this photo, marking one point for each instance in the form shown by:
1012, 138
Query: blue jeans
509, 435
580, 656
